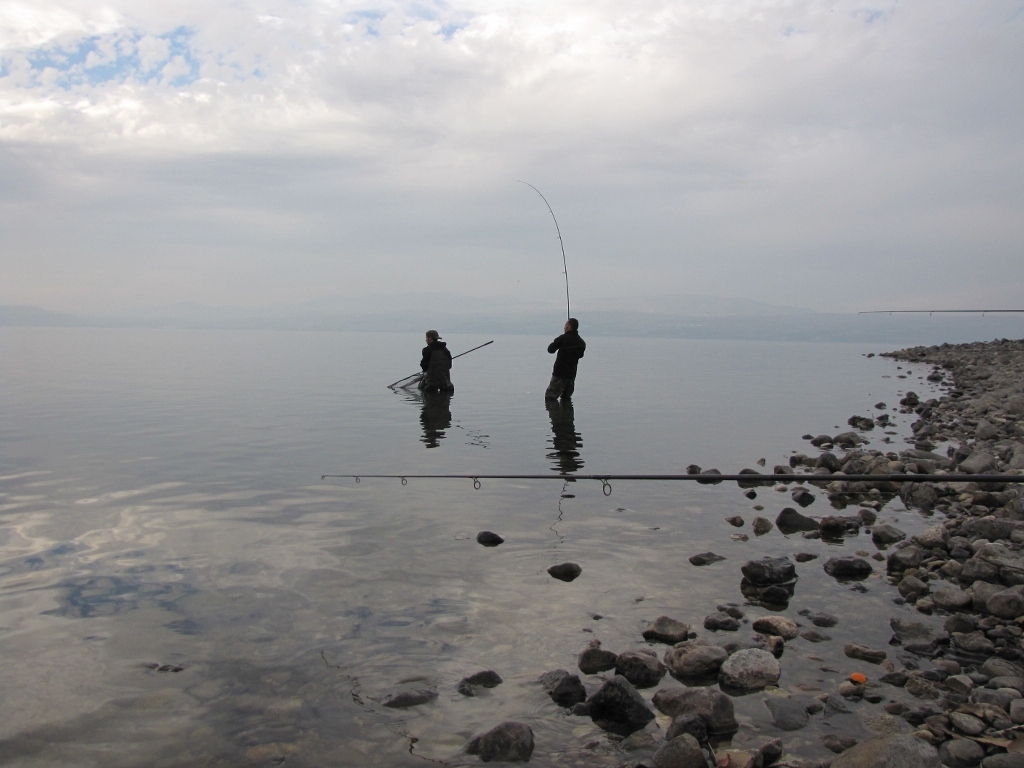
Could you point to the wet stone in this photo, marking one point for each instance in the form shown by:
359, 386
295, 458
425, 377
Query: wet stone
761, 526
886, 534
641, 668
968, 724
788, 713
820, 619
790, 521
837, 743
750, 669
509, 742
802, 496
565, 571
814, 636
848, 568
695, 661
666, 630
769, 570
803, 557
735, 521
706, 558
961, 753
405, 699
776, 625
863, 653
721, 622
618, 708
691, 724
489, 539
715, 707
594, 659
681, 752
565, 689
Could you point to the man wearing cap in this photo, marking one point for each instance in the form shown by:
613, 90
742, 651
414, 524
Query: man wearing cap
570, 348
436, 363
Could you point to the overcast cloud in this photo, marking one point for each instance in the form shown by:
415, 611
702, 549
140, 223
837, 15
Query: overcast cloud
837, 156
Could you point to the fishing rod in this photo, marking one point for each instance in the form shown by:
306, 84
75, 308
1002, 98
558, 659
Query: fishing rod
420, 373
710, 478
565, 269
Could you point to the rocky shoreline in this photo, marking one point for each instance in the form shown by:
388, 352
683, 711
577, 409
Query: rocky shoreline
952, 695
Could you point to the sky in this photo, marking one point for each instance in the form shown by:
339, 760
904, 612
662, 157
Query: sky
837, 156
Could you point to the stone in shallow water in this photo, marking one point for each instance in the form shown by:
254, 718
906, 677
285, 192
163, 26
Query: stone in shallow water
761, 526
691, 724
681, 752
565, 571
510, 742
848, 568
837, 743
803, 557
666, 630
791, 521
886, 534
404, 699
489, 539
641, 668
903, 751
788, 713
695, 661
750, 669
776, 625
706, 558
961, 753
618, 708
735, 520
564, 689
715, 707
594, 659
721, 621
814, 637
769, 570
863, 653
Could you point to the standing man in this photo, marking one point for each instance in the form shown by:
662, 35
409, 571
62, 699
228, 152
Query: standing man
436, 363
570, 348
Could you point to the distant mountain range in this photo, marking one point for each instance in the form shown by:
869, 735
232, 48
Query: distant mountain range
688, 316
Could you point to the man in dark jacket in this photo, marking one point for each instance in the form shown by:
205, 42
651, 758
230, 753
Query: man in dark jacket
570, 348
436, 363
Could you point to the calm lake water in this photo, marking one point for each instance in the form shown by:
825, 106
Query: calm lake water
161, 503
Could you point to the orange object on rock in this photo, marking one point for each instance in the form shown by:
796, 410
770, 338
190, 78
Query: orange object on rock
858, 678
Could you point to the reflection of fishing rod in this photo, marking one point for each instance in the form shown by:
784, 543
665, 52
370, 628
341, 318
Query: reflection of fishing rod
420, 373
560, 244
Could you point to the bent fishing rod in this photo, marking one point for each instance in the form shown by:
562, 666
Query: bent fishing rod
743, 479
565, 268
420, 373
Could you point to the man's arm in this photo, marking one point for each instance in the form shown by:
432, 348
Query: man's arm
555, 345
425, 362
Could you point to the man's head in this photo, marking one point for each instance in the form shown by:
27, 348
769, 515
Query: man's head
572, 324
432, 336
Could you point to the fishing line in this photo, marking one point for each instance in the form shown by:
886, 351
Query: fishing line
565, 269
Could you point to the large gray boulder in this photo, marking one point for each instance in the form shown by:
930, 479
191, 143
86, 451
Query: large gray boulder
709, 703
510, 742
618, 708
903, 751
681, 752
750, 670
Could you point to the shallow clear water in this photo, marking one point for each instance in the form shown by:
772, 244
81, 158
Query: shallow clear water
161, 503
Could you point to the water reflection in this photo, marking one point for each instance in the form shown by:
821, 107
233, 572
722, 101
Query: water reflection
435, 415
565, 440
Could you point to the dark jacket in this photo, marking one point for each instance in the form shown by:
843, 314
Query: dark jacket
570, 348
436, 363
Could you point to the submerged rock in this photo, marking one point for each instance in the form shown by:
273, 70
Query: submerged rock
750, 669
777, 625
791, 521
715, 707
405, 699
510, 742
848, 568
901, 751
721, 621
486, 679
594, 659
788, 713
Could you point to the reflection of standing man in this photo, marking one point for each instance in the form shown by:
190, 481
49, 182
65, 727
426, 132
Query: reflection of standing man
566, 440
435, 417
570, 348
436, 364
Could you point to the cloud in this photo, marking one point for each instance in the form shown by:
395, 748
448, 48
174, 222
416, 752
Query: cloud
804, 152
